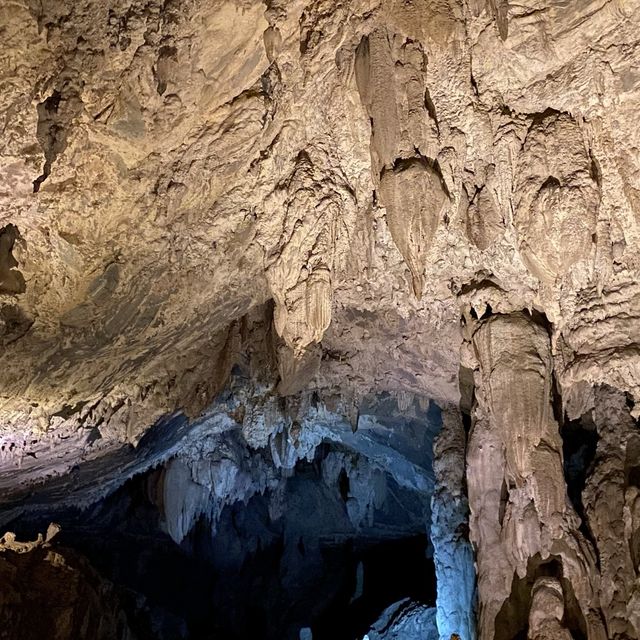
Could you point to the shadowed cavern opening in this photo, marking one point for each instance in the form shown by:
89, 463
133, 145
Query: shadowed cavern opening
325, 550
251, 580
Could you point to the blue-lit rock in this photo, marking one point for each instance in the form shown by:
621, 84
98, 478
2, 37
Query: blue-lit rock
453, 554
258, 504
405, 620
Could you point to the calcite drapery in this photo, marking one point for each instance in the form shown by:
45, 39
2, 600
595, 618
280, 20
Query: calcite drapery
522, 522
556, 196
391, 77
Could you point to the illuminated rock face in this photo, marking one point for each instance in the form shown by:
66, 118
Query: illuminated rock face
534, 552
257, 216
167, 170
521, 514
453, 553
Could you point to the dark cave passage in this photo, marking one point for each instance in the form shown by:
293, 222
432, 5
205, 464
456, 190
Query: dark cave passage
391, 570
256, 574
579, 443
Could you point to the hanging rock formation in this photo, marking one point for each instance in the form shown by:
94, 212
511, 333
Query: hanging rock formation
556, 196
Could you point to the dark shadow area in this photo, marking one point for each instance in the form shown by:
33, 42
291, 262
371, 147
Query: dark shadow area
390, 571
254, 574
579, 444
12, 281
513, 619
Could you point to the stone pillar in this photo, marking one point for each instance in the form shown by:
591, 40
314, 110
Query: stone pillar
522, 523
609, 496
453, 555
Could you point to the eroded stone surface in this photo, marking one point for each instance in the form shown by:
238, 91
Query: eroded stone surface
323, 190
192, 161
522, 522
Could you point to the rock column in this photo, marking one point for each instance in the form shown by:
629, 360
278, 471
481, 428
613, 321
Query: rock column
611, 505
453, 554
522, 524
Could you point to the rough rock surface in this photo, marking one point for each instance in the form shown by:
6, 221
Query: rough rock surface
453, 554
522, 522
54, 593
166, 168
404, 620
344, 200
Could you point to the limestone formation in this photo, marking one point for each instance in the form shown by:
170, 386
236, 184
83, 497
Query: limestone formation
453, 554
167, 170
522, 522
244, 242
556, 196
547, 611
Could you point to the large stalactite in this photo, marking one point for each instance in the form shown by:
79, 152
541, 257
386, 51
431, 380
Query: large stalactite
533, 549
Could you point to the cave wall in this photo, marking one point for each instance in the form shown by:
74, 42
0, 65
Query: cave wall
56, 593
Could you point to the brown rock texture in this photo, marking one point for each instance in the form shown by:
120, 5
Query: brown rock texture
522, 523
167, 168
366, 197
610, 502
55, 593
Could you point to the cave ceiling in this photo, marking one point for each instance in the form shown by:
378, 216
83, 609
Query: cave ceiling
327, 193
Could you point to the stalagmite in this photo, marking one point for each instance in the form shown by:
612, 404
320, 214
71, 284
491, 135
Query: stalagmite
547, 611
